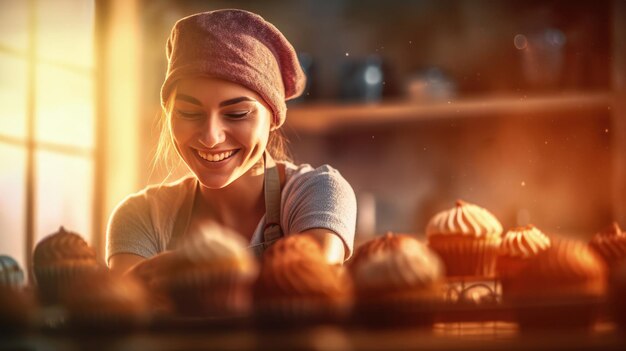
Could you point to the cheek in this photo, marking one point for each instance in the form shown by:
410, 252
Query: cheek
181, 132
264, 133
254, 136
265, 126
255, 133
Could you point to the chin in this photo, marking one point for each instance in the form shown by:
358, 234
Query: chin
214, 182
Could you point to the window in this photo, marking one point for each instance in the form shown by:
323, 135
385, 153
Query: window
47, 121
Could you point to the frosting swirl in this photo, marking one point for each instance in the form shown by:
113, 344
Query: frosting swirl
60, 246
610, 243
404, 262
524, 242
218, 245
389, 241
465, 219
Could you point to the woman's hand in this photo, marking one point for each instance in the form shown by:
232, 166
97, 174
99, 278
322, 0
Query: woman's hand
332, 246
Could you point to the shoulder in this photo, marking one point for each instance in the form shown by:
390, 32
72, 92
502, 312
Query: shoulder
305, 181
156, 196
307, 173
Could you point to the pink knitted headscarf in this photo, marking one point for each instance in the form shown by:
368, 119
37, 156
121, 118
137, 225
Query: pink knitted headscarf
238, 46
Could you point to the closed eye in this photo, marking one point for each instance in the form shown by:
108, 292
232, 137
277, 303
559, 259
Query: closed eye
189, 115
237, 114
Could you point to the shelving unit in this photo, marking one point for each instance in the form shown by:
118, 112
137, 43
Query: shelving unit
328, 117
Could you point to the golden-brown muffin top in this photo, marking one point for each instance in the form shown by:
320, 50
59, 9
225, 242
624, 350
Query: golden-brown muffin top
61, 247
305, 278
524, 242
294, 267
464, 219
295, 247
610, 243
567, 265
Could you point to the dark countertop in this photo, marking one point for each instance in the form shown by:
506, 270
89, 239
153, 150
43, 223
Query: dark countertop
442, 336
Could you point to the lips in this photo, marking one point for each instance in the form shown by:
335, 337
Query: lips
216, 157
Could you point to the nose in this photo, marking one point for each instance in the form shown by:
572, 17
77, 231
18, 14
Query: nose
213, 132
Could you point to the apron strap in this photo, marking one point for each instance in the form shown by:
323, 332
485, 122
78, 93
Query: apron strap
183, 217
272, 230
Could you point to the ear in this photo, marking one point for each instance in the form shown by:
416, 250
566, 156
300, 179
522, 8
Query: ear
273, 125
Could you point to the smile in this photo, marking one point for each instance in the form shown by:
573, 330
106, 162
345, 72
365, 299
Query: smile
216, 157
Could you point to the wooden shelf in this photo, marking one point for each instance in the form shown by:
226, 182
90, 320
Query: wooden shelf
327, 117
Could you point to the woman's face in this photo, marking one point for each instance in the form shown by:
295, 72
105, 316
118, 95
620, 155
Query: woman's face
220, 129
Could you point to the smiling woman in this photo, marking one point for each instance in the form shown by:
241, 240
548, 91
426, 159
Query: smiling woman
229, 75
214, 118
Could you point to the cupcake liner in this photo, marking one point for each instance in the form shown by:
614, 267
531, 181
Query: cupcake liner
198, 292
398, 308
53, 282
17, 310
467, 256
507, 266
292, 312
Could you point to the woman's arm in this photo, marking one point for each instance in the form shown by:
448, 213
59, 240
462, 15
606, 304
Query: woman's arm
332, 246
321, 203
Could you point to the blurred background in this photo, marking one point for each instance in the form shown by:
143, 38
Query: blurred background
518, 107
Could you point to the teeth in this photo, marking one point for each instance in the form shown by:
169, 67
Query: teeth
215, 157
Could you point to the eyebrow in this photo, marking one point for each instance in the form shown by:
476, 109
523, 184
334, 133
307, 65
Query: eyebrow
189, 99
235, 101
193, 100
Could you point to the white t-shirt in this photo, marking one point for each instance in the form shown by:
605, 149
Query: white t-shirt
145, 222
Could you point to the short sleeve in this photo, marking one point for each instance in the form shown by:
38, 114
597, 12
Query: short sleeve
320, 198
130, 229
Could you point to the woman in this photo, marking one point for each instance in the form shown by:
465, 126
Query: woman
229, 75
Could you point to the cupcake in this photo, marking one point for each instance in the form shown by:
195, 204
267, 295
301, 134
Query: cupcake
397, 280
150, 273
105, 301
296, 286
11, 274
560, 287
467, 238
610, 244
58, 260
17, 306
518, 246
389, 241
211, 275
